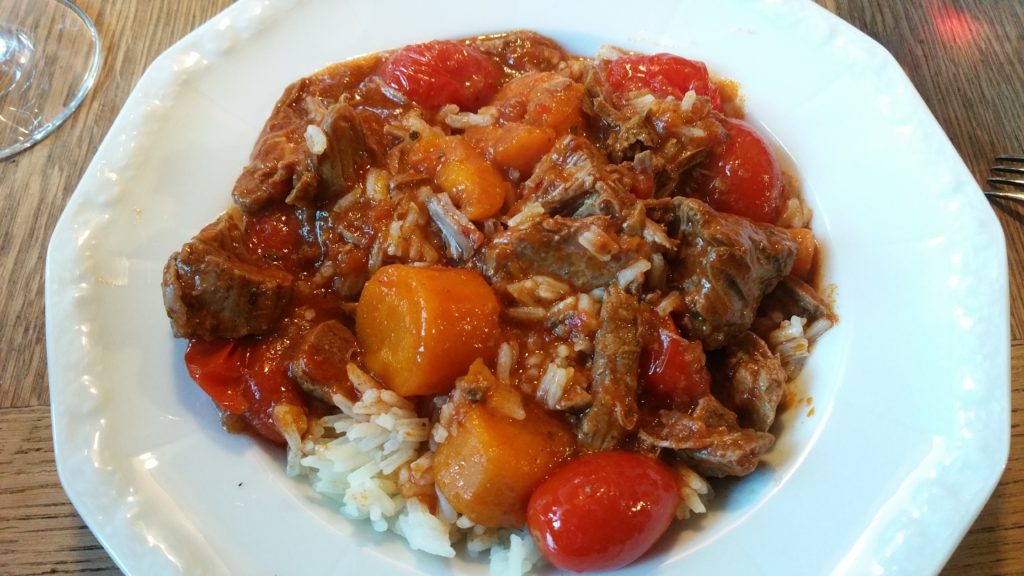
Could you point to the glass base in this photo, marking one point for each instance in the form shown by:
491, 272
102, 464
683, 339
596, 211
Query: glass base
49, 57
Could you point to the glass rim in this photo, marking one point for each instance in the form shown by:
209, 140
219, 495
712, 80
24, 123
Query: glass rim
83, 89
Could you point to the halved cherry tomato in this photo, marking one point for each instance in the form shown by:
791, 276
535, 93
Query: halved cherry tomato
602, 511
219, 369
270, 388
740, 177
443, 72
673, 368
247, 378
662, 74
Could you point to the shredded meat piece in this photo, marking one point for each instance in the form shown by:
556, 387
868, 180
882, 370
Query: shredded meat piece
616, 364
623, 135
213, 287
725, 266
662, 137
575, 179
709, 439
586, 253
461, 237
753, 381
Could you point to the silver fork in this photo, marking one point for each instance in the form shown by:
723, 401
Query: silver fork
1012, 188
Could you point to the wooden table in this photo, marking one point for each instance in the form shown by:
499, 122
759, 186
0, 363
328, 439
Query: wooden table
965, 57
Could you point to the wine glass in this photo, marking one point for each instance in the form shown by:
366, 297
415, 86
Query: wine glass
49, 56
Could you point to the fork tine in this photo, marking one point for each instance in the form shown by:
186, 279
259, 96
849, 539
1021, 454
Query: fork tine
1010, 158
1006, 182
1009, 169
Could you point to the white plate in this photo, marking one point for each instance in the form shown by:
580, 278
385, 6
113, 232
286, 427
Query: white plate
911, 422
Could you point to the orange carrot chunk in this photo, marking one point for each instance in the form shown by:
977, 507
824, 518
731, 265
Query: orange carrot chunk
490, 464
420, 328
473, 185
461, 171
543, 99
513, 146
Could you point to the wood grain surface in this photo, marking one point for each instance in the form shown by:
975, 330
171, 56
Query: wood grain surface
966, 58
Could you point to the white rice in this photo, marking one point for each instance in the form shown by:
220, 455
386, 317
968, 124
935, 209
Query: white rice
795, 214
451, 116
817, 328
688, 101
599, 243
609, 52
378, 184
657, 277
655, 233
405, 237
634, 273
694, 492
526, 313
537, 290
553, 384
790, 343
316, 139
508, 352
670, 303
530, 212
375, 450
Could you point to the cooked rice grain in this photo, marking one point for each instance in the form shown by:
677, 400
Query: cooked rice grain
634, 273
530, 212
790, 343
599, 243
316, 139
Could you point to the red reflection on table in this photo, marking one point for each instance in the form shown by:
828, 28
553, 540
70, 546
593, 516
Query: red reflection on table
953, 26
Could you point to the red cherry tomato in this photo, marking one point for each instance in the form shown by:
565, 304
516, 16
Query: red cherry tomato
248, 378
672, 368
269, 386
602, 511
443, 72
663, 74
741, 177
219, 369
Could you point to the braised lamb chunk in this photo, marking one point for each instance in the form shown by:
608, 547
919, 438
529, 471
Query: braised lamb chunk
522, 51
321, 360
213, 287
282, 165
575, 179
725, 266
708, 438
613, 413
623, 135
752, 381
586, 253
660, 136
686, 130
341, 161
